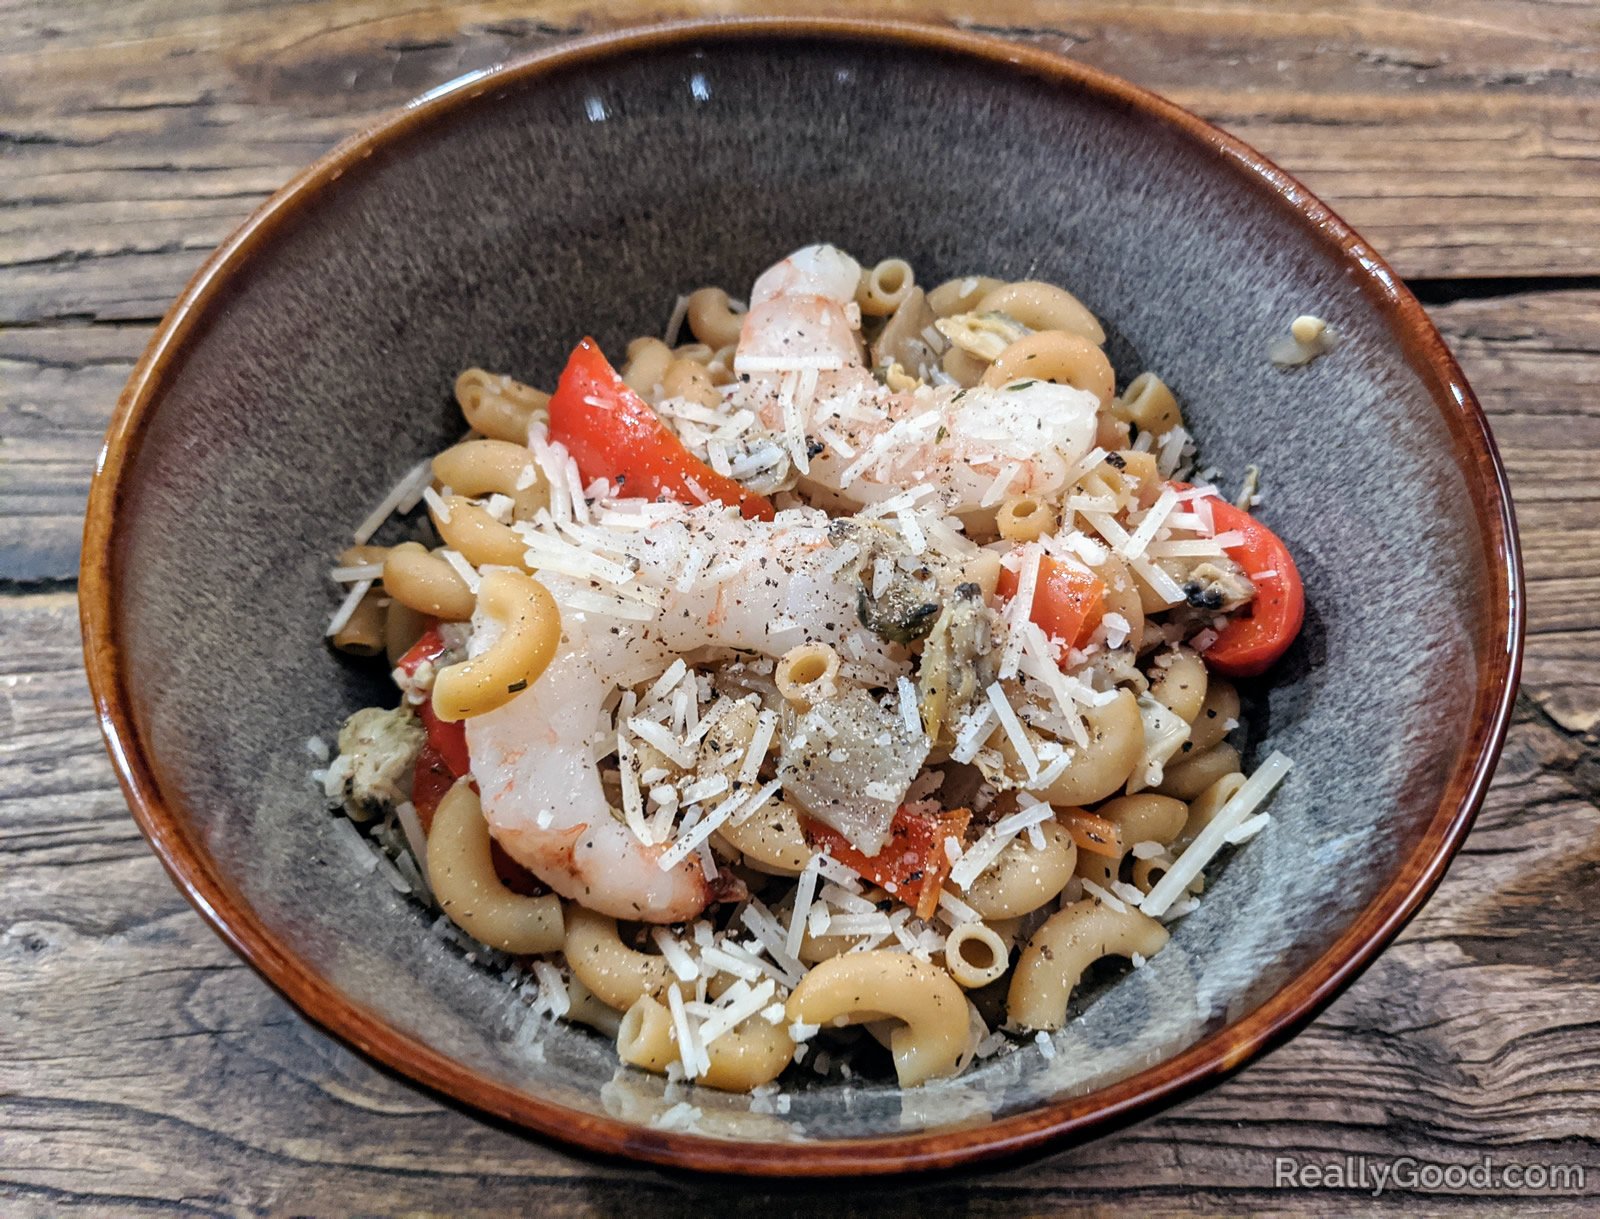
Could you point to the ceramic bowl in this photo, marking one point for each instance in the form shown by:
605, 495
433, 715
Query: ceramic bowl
502, 216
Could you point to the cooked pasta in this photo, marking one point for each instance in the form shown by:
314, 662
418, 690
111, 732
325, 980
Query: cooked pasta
1025, 518
712, 319
481, 468
1054, 355
529, 630
426, 583
402, 626
1071, 940
959, 295
975, 955
365, 626
862, 651
885, 286
499, 407
472, 531
614, 973
934, 1028
461, 871
1148, 404
1043, 307
648, 361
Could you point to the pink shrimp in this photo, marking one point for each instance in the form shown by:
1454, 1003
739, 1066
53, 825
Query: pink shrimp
801, 354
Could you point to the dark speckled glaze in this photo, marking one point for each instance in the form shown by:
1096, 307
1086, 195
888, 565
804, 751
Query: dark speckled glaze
497, 220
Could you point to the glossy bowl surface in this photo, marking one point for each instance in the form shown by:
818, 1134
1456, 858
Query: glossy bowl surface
502, 216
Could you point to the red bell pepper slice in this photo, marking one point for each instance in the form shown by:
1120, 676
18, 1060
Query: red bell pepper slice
449, 739
612, 433
1262, 631
430, 781
912, 864
444, 759
1067, 603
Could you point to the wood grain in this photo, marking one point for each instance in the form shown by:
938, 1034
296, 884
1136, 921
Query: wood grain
1463, 142
143, 1068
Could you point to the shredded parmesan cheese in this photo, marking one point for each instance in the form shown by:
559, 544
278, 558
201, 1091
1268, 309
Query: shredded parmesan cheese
1212, 839
1013, 729
674, 954
805, 890
347, 607
402, 497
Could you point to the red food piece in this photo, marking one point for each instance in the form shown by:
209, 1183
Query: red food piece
1262, 631
612, 433
912, 864
1067, 603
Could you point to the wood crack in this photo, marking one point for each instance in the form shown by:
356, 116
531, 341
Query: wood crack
1447, 291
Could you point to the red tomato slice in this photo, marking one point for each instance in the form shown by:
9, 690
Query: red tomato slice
1067, 603
913, 861
448, 738
430, 781
429, 646
612, 433
444, 759
1261, 632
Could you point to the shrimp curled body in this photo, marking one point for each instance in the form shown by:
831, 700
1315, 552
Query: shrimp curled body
803, 375
772, 586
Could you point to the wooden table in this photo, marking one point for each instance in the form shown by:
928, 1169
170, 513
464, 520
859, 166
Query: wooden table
142, 1067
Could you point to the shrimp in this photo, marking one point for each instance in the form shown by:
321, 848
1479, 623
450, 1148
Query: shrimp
803, 375
721, 582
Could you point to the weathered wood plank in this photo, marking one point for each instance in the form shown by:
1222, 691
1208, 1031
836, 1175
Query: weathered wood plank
142, 1066
1463, 142
58, 385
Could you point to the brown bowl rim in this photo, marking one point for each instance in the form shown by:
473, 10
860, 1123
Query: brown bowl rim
1207, 1061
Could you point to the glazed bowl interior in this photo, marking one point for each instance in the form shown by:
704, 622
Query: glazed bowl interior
497, 225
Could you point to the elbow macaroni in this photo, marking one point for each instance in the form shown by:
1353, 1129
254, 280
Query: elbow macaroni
711, 318
461, 871
960, 295
1148, 404
476, 536
1044, 307
615, 974
770, 838
494, 467
864, 985
1198, 771
648, 361
1140, 818
751, 1054
1071, 940
1116, 742
499, 407
364, 633
808, 673
1054, 355
427, 584
885, 286
975, 955
1180, 684
1024, 519
530, 629
1024, 877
